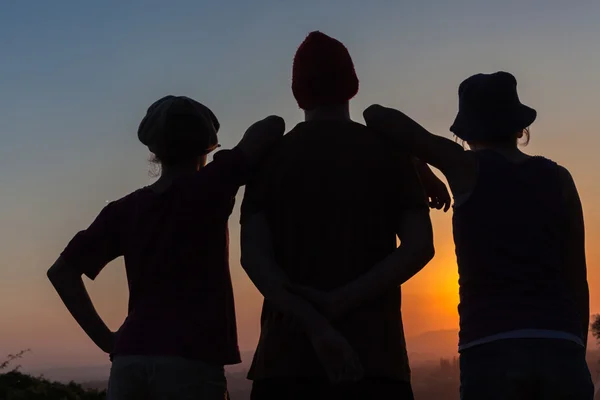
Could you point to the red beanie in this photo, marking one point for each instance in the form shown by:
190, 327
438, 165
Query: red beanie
323, 73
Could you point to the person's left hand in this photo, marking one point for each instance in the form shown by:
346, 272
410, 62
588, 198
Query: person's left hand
437, 192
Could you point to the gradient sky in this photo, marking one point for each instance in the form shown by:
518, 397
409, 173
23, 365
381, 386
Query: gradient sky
76, 78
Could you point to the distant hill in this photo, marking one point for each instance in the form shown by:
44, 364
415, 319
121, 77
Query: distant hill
83, 373
431, 346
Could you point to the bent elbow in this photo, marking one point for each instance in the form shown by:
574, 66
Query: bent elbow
60, 272
52, 274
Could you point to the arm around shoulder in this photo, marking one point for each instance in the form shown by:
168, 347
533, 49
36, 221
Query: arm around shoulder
459, 166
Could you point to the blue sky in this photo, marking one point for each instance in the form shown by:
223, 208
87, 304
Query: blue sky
76, 78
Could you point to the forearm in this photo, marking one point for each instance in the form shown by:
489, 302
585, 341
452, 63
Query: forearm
424, 171
74, 295
385, 276
408, 135
259, 263
437, 151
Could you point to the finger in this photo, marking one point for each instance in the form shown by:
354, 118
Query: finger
337, 376
434, 203
350, 372
447, 205
439, 204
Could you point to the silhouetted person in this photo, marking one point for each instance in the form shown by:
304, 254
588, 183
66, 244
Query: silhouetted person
180, 330
519, 235
320, 223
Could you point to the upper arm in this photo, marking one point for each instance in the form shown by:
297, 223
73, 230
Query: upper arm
575, 234
60, 269
225, 174
255, 236
90, 250
256, 192
575, 265
414, 225
415, 230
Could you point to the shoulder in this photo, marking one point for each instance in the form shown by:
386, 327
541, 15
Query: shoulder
563, 173
129, 199
555, 171
115, 211
567, 183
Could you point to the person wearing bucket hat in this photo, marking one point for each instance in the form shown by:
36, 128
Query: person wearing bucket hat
519, 236
323, 212
180, 329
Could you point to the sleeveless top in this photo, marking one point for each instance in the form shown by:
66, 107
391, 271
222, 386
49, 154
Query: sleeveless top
510, 236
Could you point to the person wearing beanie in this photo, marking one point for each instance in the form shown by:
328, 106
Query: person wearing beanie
520, 244
319, 222
180, 330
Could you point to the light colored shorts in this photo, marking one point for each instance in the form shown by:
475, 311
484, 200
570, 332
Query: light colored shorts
165, 378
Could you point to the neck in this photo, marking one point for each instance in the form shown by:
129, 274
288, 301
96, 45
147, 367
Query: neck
512, 153
507, 147
336, 112
170, 173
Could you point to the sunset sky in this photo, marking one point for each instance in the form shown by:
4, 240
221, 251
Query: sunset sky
76, 79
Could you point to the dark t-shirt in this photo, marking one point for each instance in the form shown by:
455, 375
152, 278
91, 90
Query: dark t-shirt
333, 192
175, 246
510, 236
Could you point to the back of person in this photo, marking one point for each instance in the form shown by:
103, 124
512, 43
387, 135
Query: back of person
176, 285
518, 316
510, 236
180, 329
333, 195
520, 244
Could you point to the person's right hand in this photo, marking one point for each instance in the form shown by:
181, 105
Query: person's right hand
339, 359
260, 137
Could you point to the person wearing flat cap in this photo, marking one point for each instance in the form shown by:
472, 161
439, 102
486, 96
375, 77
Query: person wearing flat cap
180, 330
319, 226
520, 247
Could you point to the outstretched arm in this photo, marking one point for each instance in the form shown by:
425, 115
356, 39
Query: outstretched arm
458, 165
70, 287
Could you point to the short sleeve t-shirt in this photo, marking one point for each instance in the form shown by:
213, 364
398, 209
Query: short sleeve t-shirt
175, 246
333, 193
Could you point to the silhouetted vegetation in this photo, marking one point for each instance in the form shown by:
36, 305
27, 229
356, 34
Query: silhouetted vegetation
596, 327
15, 385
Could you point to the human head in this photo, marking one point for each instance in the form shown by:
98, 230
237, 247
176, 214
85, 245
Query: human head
490, 113
179, 130
323, 73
